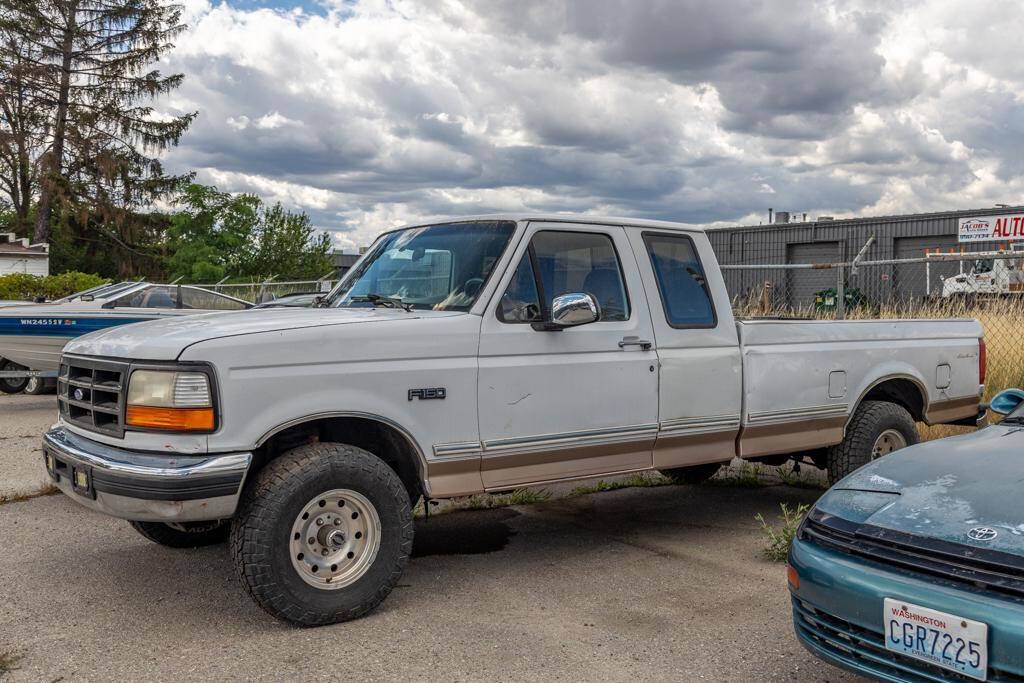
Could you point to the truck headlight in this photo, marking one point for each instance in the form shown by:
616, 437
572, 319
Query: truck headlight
169, 399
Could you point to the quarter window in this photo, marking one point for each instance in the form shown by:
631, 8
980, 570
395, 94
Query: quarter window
561, 262
681, 282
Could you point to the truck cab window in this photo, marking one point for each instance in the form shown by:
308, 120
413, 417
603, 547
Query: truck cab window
681, 282
568, 262
520, 302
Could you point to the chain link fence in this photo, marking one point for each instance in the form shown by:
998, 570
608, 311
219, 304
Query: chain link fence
986, 285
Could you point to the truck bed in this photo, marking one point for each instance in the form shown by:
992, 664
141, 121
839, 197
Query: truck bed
802, 379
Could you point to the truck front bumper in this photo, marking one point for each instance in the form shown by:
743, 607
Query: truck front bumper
148, 487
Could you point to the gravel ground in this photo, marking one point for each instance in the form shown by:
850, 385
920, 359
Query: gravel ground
23, 419
655, 583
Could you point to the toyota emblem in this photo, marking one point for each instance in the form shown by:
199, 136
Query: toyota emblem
79, 394
982, 533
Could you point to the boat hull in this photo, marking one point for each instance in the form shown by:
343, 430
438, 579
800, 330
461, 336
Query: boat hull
36, 341
37, 352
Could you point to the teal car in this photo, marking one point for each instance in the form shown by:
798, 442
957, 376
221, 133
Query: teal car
912, 567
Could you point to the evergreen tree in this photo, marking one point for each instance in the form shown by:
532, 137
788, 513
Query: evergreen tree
92, 68
23, 124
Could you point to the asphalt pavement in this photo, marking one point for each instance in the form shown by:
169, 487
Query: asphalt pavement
658, 583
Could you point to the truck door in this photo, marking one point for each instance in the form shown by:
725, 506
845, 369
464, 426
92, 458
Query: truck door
575, 402
700, 390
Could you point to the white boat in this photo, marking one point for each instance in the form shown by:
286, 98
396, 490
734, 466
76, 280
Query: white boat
32, 337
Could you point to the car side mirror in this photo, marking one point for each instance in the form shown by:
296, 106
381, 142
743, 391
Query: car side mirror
571, 310
1006, 401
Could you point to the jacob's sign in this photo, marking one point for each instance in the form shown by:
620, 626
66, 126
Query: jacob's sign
988, 228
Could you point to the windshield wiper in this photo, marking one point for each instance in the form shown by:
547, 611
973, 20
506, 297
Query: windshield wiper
386, 301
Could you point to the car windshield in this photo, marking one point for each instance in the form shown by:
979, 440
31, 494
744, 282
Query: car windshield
98, 292
436, 267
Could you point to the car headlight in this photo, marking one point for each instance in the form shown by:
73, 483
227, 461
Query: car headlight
174, 400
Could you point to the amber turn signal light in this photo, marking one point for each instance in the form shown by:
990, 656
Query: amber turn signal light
793, 578
178, 419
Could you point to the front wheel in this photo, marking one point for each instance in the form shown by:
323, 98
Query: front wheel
323, 534
877, 429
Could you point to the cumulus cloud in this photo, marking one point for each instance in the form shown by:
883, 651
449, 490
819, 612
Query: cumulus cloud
372, 113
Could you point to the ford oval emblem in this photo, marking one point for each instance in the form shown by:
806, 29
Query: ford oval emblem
982, 533
79, 394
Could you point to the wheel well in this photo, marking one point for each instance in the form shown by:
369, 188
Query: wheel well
900, 391
386, 442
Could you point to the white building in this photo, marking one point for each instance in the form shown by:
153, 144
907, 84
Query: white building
18, 256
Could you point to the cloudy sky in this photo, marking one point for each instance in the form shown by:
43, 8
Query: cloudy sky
372, 113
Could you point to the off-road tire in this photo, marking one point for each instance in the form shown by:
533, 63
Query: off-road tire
191, 535
261, 530
869, 421
12, 386
697, 474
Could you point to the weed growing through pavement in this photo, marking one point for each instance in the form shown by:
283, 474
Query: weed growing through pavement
747, 475
9, 662
778, 539
638, 480
47, 490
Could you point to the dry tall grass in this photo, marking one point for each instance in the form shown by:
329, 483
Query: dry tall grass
1001, 318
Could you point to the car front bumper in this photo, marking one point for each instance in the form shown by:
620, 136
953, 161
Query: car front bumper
149, 487
838, 615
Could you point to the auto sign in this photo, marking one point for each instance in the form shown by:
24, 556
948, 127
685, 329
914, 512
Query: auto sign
987, 228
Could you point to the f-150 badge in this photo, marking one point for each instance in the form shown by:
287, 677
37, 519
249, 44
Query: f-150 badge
427, 394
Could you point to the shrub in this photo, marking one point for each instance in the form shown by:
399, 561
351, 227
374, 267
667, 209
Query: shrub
776, 539
28, 287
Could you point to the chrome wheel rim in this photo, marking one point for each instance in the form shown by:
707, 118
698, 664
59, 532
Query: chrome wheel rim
888, 441
334, 539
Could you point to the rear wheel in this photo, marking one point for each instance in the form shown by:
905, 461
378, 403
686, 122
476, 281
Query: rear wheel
184, 534
12, 385
323, 534
697, 474
877, 429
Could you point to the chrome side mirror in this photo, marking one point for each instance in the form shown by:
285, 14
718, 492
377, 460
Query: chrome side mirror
1006, 401
571, 310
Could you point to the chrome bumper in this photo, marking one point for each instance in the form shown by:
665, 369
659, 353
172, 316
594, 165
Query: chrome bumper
149, 487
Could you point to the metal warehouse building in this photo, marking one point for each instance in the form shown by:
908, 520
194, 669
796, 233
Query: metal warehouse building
835, 241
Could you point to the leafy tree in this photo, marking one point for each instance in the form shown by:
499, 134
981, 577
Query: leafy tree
217, 235
91, 70
287, 245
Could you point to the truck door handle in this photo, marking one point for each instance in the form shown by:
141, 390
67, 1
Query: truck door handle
635, 341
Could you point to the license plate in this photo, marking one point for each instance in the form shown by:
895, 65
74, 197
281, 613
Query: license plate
938, 638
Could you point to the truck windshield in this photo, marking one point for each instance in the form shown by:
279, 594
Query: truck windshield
437, 267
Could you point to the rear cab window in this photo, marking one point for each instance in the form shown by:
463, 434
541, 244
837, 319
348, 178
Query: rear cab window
682, 286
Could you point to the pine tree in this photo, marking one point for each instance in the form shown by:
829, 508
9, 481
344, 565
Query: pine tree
23, 124
93, 62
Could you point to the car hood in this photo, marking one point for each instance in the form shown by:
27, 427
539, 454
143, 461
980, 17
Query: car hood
942, 489
166, 339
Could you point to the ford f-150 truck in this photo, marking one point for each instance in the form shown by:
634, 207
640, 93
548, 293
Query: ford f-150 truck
472, 356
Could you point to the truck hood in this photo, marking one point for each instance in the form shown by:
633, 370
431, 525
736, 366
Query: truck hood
166, 339
942, 489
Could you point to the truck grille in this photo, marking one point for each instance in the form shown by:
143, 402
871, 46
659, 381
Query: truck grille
974, 567
91, 394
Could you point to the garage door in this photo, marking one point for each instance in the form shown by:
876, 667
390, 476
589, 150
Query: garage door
804, 283
910, 280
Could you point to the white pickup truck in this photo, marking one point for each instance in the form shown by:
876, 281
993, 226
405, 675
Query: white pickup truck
464, 357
